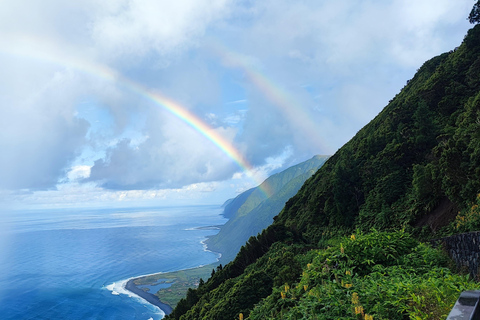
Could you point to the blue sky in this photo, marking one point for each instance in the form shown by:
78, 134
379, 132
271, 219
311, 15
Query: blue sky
280, 81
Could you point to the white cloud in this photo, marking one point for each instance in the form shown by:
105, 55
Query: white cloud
39, 136
137, 27
173, 155
355, 55
90, 195
78, 172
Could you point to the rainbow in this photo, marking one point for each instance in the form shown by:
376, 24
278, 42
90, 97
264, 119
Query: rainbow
45, 51
292, 110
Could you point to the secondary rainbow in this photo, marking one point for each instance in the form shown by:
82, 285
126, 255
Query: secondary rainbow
293, 111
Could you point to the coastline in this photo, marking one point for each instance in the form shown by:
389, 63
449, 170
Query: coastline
184, 281
150, 298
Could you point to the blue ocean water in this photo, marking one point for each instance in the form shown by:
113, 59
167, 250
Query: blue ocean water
69, 264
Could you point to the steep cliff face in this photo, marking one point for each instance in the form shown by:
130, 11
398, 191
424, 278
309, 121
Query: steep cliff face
252, 211
419, 158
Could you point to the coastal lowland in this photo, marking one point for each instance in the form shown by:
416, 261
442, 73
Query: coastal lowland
176, 285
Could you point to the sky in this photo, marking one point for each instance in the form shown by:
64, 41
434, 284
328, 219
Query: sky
153, 102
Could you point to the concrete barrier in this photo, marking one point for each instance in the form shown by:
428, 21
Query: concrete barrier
466, 307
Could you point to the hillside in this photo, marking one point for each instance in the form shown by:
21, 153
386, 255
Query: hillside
416, 166
231, 206
251, 211
419, 154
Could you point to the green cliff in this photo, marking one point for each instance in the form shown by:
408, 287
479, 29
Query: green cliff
252, 211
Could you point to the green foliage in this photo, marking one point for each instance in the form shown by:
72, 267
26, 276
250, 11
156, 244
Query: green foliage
379, 248
474, 16
224, 278
469, 219
357, 279
234, 295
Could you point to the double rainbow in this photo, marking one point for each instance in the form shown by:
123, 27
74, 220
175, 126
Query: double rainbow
44, 51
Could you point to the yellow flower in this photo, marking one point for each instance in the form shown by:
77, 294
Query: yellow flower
240, 316
352, 237
309, 265
348, 273
283, 295
287, 287
355, 299
359, 310
368, 317
348, 285
305, 287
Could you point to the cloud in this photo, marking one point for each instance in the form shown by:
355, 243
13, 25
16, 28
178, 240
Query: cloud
339, 62
40, 135
173, 155
78, 172
48, 56
137, 27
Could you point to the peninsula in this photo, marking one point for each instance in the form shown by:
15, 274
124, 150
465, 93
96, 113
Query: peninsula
151, 298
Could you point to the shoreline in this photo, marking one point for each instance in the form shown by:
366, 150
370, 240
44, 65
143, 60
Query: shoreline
182, 281
153, 299
149, 297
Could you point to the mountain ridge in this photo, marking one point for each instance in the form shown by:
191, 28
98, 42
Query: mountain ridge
250, 212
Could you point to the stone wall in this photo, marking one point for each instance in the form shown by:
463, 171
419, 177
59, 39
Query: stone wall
464, 249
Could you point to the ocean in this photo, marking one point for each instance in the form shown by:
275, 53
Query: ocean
70, 264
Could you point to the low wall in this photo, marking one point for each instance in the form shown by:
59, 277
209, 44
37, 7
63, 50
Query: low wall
464, 249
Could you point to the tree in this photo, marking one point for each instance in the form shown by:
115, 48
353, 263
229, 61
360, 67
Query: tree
474, 16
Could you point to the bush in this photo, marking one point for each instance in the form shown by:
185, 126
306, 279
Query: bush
379, 275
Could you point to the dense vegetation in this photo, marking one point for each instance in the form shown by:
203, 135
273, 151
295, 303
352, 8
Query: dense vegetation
252, 211
381, 275
416, 167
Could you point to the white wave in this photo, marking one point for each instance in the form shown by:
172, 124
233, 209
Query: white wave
118, 288
205, 248
111, 287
